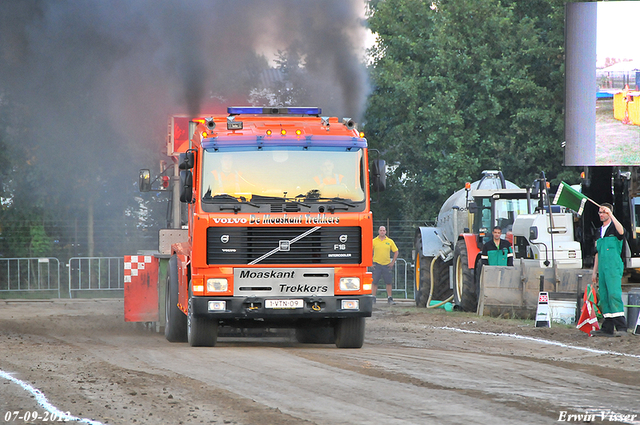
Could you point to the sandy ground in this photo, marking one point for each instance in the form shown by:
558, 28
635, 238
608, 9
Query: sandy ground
417, 366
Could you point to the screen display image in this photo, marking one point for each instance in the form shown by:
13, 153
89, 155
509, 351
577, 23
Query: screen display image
602, 125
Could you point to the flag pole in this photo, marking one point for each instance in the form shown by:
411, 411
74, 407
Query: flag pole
553, 257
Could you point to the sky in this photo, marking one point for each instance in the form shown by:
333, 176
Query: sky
617, 30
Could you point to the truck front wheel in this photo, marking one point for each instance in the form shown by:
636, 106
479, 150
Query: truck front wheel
175, 326
322, 335
202, 331
350, 332
464, 292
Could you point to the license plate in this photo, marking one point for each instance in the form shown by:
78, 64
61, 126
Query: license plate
283, 303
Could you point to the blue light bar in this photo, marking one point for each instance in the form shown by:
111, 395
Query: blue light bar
235, 110
307, 142
305, 111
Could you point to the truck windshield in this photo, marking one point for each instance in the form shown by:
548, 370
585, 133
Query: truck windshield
308, 175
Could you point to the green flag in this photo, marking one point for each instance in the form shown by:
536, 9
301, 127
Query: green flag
570, 198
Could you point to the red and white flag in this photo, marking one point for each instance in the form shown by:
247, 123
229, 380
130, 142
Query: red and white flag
588, 319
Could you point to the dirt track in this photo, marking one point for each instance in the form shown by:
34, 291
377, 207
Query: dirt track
417, 366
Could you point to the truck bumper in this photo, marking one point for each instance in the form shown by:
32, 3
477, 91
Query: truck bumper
313, 308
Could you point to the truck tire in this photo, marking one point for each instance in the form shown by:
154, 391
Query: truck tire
464, 291
324, 335
350, 332
441, 290
175, 327
423, 278
202, 331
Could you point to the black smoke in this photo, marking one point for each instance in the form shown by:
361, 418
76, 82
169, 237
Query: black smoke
94, 80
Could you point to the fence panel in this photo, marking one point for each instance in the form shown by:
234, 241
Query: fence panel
400, 283
29, 275
95, 274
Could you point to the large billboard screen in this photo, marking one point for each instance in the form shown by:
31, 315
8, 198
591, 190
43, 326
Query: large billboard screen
602, 65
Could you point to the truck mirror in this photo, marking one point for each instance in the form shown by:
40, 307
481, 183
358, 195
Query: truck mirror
187, 160
186, 186
144, 181
379, 175
533, 233
473, 207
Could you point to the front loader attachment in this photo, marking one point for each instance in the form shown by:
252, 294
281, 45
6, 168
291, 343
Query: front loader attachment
513, 291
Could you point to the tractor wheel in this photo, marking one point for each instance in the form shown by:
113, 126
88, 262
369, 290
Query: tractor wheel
464, 293
350, 332
175, 327
202, 331
441, 290
423, 279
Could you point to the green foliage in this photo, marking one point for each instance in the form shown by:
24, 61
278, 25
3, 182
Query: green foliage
467, 86
41, 245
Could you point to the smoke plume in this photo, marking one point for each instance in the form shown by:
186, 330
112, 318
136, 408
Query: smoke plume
95, 80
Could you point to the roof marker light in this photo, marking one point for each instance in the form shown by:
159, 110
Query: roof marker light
283, 132
298, 132
269, 132
361, 134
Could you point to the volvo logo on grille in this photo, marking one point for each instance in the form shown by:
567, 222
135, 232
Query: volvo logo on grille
343, 238
224, 238
285, 246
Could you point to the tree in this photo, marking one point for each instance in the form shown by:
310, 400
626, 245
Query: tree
462, 86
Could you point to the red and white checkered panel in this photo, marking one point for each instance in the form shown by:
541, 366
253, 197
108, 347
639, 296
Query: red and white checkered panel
141, 288
134, 263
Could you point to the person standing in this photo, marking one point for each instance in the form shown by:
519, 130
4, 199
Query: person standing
607, 274
383, 247
497, 252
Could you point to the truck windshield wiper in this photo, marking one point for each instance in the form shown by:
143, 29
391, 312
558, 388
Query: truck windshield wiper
225, 198
343, 201
275, 199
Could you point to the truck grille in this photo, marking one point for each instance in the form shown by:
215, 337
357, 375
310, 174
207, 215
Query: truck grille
250, 245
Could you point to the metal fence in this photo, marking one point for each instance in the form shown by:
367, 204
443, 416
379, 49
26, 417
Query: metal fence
86, 274
403, 281
30, 275
401, 274
95, 274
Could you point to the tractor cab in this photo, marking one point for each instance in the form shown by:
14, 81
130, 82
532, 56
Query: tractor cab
500, 208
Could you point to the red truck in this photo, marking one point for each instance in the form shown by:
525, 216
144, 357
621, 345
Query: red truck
273, 229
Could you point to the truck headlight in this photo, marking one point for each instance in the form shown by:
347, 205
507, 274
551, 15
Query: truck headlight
349, 284
217, 285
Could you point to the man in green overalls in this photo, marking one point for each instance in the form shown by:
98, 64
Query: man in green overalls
497, 252
608, 267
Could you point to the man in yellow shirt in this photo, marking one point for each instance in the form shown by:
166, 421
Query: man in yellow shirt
382, 262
